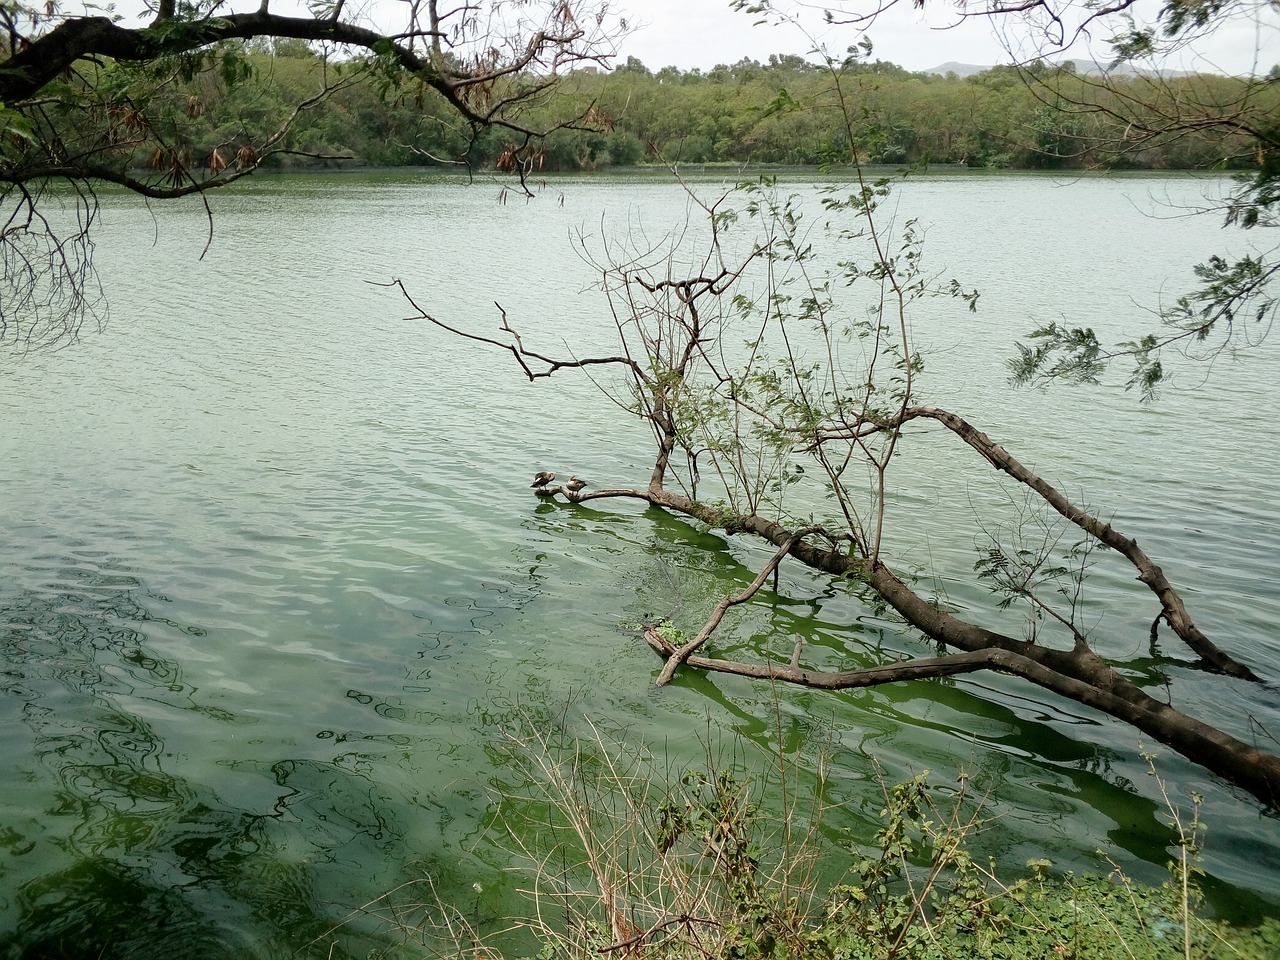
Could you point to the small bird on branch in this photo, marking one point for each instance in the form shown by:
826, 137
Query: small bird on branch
575, 484
542, 478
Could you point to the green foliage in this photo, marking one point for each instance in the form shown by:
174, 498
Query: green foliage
1059, 353
699, 869
1234, 305
1231, 303
781, 111
1228, 293
1099, 918
920, 880
16, 131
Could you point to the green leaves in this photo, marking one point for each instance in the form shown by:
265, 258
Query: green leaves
1235, 305
783, 102
16, 132
1135, 43
1072, 354
1177, 15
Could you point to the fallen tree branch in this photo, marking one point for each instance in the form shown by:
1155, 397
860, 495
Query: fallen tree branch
753, 422
822, 679
1149, 572
1077, 674
681, 654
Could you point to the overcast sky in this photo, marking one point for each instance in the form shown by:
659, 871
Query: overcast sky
703, 33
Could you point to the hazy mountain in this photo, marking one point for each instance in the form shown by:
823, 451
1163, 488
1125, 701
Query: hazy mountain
959, 69
1086, 68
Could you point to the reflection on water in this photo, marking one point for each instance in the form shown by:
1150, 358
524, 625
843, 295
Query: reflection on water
275, 589
122, 857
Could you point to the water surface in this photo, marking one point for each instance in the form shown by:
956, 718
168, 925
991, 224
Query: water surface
275, 586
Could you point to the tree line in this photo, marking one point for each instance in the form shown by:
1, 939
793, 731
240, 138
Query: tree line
780, 112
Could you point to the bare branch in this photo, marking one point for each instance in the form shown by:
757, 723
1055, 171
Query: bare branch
836, 680
517, 349
1149, 572
682, 654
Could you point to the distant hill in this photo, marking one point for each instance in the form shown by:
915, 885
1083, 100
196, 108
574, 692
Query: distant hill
959, 69
1087, 68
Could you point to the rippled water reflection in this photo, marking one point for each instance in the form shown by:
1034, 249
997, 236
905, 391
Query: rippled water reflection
274, 586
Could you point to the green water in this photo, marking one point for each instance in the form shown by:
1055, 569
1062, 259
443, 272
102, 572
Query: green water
275, 589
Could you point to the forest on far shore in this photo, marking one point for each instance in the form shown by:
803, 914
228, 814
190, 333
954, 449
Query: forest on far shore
785, 111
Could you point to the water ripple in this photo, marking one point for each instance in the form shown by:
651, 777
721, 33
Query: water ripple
275, 584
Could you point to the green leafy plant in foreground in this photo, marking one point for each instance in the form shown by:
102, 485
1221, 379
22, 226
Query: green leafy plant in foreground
629, 867
700, 864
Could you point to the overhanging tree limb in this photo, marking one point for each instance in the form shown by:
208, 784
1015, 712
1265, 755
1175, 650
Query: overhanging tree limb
45, 57
86, 100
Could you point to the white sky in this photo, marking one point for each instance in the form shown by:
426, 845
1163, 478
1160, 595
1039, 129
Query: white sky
703, 33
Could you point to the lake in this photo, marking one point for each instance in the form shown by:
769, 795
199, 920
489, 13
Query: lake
276, 591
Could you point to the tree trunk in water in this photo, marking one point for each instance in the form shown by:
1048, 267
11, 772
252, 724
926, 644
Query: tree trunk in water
1078, 675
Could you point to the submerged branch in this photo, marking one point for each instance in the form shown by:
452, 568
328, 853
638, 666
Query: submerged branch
829, 680
1077, 674
680, 655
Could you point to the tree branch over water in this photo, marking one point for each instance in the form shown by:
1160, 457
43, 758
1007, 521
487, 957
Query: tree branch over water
1148, 84
739, 383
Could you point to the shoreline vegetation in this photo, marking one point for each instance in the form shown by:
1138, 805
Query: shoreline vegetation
774, 115
625, 860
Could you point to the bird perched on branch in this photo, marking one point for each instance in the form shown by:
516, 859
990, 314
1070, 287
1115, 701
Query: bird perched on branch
542, 478
575, 484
